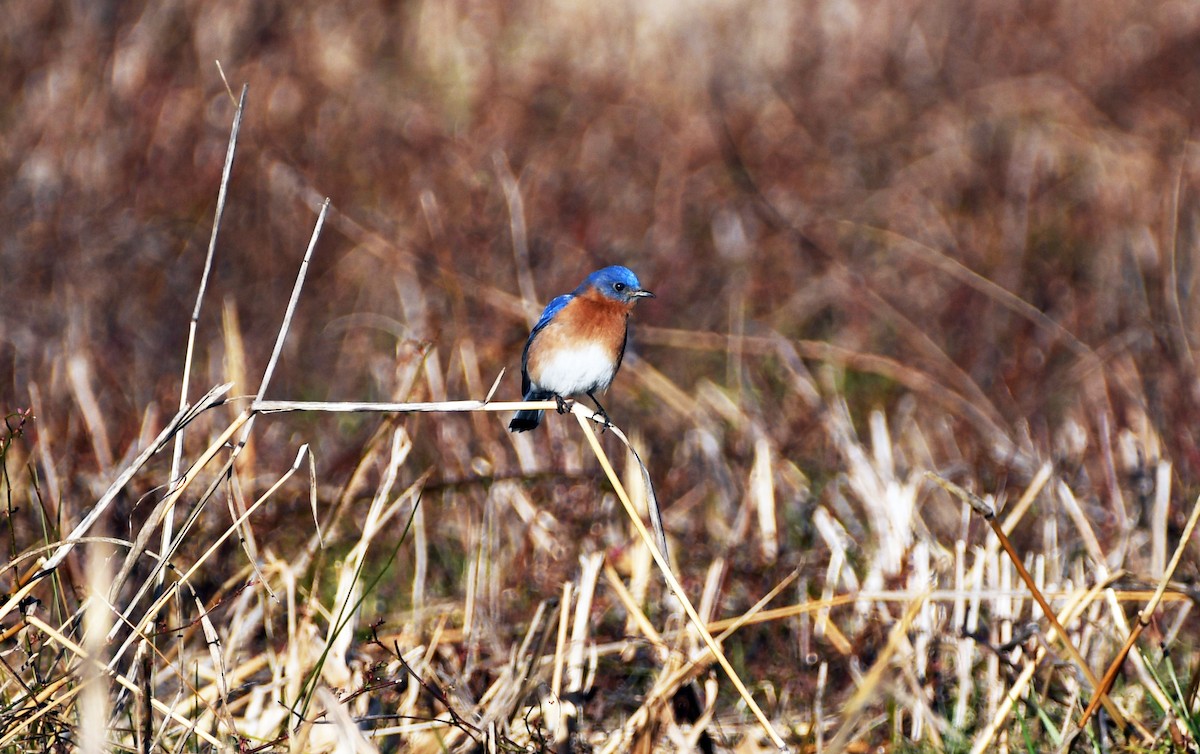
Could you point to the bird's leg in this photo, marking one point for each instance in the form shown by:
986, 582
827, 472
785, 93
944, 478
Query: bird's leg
562, 405
601, 411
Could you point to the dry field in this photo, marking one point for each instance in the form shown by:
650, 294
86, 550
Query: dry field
917, 396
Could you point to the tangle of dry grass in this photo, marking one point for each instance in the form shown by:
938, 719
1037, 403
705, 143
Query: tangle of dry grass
893, 243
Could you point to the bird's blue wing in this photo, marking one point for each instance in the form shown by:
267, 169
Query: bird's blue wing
552, 308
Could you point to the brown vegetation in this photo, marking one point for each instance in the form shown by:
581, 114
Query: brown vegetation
886, 239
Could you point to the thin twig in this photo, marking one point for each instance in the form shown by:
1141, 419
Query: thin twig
1144, 616
870, 683
675, 586
520, 235
183, 417
301, 274
168, 525
983, 508
222, 193
351, 407
652, 507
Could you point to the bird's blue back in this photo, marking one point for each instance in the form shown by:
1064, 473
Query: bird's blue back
614, 290
554, 307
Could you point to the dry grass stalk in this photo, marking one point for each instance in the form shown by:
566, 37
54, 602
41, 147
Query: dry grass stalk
762, 494
581, 626
185, 381
1146, 614
989, 514
676, 589
959, 317
869, 686
1074, 607
79, 373
675, 673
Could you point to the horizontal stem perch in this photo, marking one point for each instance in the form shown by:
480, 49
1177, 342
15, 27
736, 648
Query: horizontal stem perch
355, 407
584, 414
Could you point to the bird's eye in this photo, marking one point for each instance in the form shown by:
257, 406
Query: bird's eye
618, 287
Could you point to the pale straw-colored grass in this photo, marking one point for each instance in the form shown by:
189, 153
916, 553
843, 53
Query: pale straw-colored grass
392, 571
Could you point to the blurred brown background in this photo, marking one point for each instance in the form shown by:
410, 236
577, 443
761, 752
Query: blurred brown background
827, 171
997, 199
1043, 147
977, 217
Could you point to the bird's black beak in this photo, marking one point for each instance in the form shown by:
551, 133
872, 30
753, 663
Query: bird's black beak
642, 294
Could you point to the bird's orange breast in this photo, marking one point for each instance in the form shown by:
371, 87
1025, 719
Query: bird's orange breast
590, 323
594, 318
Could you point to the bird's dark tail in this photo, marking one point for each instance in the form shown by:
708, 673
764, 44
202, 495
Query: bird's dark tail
527, 419
524, 421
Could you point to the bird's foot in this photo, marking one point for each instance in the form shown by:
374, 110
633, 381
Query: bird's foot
601, 413
606, 423
563, 405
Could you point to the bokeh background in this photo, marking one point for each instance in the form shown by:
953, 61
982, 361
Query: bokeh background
978, 219
830, 171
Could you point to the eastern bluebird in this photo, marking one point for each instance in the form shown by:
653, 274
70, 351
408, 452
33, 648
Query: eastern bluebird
577, 344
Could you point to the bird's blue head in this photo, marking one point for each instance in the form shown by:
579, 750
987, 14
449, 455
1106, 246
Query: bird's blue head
616, 282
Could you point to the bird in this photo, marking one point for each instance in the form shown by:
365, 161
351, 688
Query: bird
577, 344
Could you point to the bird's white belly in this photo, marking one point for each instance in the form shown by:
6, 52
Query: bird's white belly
572, 371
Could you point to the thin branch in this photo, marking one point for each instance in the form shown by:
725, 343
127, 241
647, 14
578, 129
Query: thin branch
985, 509
1171, 284
520, 235
1144, 616
677, 589
287, 319
222, 193
368, 407
652, 507
181, 418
